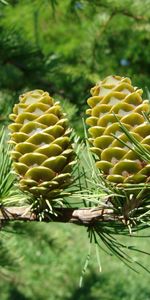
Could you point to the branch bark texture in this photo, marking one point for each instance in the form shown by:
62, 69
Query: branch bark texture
80, 216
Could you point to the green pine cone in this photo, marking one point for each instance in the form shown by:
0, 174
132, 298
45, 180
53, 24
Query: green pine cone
115, 99
42, 152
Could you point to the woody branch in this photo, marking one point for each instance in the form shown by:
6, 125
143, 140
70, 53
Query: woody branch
81, 216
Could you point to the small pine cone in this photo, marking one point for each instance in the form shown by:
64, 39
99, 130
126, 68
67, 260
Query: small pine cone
115, 99
42, 152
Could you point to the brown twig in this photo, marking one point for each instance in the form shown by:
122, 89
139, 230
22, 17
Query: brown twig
81, 216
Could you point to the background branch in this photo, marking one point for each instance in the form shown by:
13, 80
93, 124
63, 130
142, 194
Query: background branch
122, 11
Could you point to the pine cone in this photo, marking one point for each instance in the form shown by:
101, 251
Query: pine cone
42, 152
115, 99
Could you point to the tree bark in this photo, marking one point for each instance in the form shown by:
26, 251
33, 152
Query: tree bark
80, 216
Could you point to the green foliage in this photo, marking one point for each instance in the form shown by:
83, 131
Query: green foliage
51, 257
64, 47
72, 112
9, 258
3, 2
6, 104
9, 192
7, 178
86, 43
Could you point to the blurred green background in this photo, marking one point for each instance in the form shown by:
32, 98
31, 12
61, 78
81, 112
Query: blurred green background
65, 47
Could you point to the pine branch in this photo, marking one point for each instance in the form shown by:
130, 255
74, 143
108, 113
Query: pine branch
122, 11
81, 216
